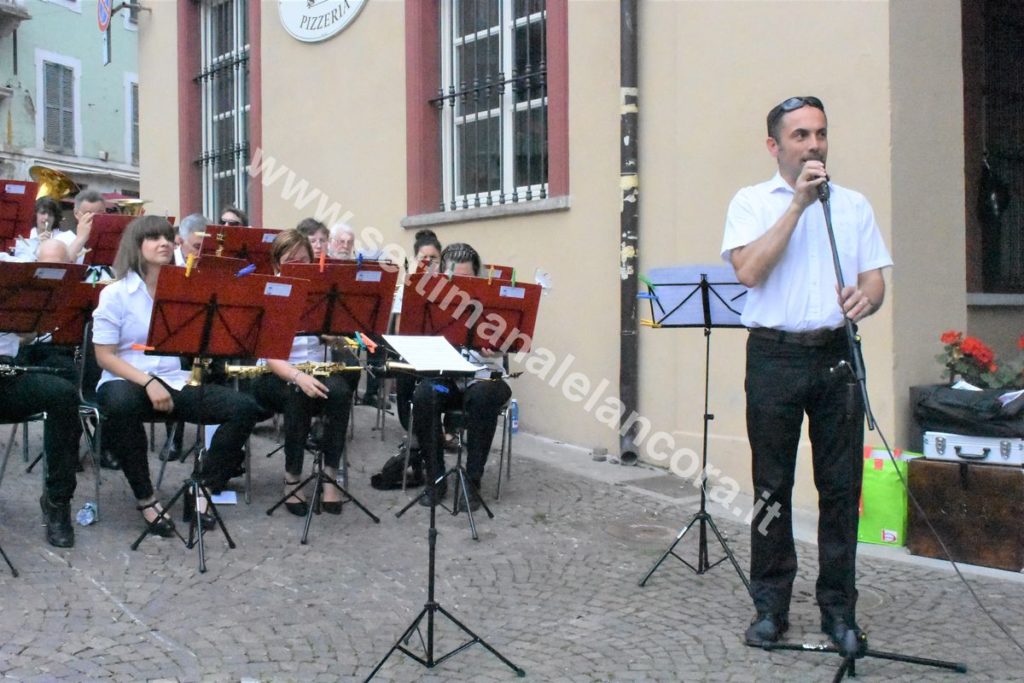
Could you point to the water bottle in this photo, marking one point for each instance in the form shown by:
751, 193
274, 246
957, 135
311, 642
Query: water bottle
87, 515
513, 413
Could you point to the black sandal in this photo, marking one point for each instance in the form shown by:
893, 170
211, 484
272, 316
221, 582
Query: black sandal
299, 508
163, 525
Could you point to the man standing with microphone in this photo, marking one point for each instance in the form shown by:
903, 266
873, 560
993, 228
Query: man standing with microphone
777, 240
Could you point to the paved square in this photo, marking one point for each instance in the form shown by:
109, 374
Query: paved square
552, 584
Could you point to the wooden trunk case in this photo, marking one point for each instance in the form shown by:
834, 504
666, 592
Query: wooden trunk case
978, 510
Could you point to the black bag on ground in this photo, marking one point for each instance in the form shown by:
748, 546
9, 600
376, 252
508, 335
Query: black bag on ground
972, 413
390, 476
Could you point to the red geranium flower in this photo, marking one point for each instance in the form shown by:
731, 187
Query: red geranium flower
1020, 342
952, 337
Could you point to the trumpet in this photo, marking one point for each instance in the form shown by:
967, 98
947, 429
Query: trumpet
314, 368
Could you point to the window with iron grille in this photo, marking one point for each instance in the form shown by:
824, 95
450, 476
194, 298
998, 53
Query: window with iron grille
59, 120
493, 102
224, 82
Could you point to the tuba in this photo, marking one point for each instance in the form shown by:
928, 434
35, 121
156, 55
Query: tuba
52, 183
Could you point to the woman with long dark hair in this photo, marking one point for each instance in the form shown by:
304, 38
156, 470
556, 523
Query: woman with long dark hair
136, 388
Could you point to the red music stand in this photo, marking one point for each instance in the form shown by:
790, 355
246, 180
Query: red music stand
219, 264
344, 299
471, 312
17, 211
211, 315
251, 244
28, 291
66, 322
105, 238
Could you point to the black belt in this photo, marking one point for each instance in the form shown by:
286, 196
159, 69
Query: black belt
820, 337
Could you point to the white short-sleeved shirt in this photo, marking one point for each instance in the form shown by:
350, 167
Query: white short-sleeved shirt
25, 250
122, 318
9, 343
307, 348
799, 294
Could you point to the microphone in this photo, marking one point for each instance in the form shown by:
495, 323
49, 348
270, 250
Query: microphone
823, 191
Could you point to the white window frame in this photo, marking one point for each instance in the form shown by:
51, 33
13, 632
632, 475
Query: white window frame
130, 79
41, 58
507, 108
209, 176
73, 5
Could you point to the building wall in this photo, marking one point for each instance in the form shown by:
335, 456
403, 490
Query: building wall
59, 33
158, 108
334, 116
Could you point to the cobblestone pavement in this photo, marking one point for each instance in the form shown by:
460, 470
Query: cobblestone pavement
552, 584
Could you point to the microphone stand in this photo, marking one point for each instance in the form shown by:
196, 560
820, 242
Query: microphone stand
854, 645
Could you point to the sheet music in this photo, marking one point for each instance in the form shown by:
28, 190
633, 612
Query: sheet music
427, 353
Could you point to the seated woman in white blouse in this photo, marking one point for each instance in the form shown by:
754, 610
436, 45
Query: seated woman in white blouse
300, 396
136, 388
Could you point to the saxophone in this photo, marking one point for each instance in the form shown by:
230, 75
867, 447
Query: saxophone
316, 369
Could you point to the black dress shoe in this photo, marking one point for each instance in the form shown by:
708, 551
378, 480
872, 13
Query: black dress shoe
57, 518
844, 633
766, 628
299, 508
162, 526
109, 462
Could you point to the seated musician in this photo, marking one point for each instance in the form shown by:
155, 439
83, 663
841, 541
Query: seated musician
88, 203
481, 398
317, 234
300, 396
136, 388
426, 254
234, 217
342, 243
24, 395
189, 238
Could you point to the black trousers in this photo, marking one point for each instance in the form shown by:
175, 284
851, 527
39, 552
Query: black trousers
480, 401
275, 394
126, 407
784, 381
30, 393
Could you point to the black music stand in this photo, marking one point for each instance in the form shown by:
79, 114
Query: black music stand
431, 608
17, 211
708, 297
213, 315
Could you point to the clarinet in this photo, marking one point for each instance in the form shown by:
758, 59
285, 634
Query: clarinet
7, 370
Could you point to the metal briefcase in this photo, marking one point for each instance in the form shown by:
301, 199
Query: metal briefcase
990, 450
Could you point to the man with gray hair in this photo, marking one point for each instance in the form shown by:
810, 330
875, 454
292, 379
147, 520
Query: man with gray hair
342, 241
190, 237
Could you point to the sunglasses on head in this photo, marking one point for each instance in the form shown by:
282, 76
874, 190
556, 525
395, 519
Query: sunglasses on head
231, 223
792, 104
796, 102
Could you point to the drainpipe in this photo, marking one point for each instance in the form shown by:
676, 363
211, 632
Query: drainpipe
629, 228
